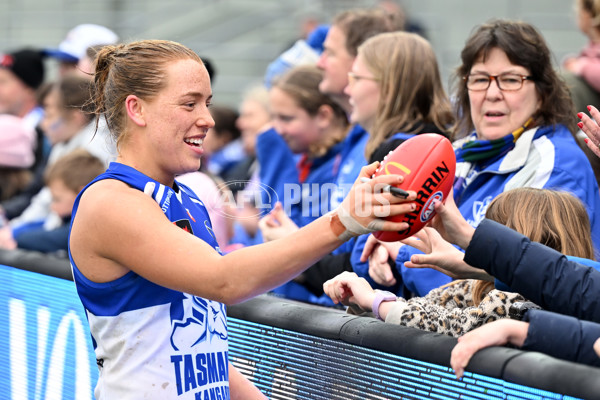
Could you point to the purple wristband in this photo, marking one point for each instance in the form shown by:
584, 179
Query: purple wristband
380, 297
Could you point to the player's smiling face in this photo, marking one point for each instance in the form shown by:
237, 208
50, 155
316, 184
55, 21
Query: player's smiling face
178, 118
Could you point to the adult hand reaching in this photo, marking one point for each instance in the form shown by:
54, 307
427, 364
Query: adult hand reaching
590, 127
441, 256
450, 223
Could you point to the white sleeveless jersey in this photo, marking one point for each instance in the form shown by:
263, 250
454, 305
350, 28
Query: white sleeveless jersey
152, 342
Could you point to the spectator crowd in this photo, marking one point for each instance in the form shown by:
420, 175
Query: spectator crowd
521, 225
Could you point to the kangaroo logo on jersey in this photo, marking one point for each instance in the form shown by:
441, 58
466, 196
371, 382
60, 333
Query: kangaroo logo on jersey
479, 210
200, 322
199, 341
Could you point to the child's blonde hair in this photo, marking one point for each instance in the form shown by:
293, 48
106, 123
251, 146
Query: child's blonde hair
553, 218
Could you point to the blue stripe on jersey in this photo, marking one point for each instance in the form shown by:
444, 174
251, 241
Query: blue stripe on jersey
127, 293
131, 291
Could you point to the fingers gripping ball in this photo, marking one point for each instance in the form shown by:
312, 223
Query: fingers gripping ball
427, 163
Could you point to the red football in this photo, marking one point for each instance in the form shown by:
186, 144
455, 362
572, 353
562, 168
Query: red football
427, 163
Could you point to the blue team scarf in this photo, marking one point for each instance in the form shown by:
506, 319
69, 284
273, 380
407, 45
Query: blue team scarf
478, 151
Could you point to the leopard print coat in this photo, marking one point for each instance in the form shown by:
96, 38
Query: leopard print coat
450, 310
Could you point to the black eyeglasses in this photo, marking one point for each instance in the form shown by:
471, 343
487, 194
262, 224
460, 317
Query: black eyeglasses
507, 82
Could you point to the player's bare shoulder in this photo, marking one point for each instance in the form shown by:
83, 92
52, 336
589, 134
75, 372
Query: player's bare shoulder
104, 206
95, 228
108, 196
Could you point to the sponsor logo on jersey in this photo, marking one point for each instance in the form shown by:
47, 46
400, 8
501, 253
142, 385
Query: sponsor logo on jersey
185, 225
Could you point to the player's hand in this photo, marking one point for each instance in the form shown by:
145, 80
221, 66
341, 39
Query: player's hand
367, 205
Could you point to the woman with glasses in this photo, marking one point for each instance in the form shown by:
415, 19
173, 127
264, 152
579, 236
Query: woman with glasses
396, 92
516, 121
515, 126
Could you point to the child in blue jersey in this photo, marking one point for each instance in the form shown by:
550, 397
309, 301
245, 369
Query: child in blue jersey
145, 262
348, 30
313, 126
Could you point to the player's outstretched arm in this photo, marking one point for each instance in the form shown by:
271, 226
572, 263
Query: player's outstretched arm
118, 229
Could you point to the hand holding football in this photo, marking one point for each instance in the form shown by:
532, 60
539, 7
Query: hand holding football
427, 163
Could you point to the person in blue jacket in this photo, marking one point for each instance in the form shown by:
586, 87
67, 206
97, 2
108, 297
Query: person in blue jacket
349, 29
565, 287
519, 121
146, 265
396, 93
313, 125
557, 335
338, 51
394, 97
